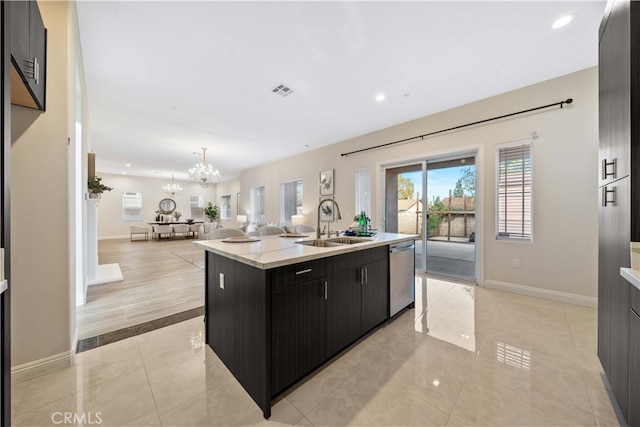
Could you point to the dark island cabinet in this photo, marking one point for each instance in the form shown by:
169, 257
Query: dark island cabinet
273, 327
375, 287
344, 309
297, 333
28, 55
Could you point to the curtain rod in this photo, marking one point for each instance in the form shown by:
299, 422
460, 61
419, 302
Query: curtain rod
561, 104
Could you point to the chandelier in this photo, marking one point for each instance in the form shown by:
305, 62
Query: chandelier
203, 173
172, 188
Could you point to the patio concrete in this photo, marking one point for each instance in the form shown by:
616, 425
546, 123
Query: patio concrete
453, 259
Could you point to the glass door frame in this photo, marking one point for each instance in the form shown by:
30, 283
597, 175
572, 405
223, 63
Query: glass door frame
476, 151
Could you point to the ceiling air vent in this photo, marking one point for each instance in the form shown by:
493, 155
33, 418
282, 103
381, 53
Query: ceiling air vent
282, 90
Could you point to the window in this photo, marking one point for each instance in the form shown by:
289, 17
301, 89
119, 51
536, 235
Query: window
290, 200
225, 207
131, 206
363, 191
197, 207
257, 204
513, 189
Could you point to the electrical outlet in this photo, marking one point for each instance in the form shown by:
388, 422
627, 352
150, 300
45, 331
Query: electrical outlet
516, 263
221, 280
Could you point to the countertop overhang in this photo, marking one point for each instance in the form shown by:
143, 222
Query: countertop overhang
275, 251
632, 276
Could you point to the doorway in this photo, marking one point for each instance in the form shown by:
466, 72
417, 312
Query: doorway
435, 199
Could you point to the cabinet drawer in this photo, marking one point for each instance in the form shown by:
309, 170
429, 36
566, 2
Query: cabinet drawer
635, 299
291, 275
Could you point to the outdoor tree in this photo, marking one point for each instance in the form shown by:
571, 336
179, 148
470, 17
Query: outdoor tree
405, 188
436, 214
468, 181
459, 190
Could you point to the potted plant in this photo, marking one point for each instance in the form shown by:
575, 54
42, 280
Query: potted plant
177, 215
95, 186
211, 212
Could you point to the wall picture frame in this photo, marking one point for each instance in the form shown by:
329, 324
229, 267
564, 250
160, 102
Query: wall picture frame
326, 210
327, 183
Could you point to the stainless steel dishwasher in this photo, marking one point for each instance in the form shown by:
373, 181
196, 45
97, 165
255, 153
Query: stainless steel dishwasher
402, 272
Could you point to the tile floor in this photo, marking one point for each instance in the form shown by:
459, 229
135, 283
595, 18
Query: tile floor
464, 356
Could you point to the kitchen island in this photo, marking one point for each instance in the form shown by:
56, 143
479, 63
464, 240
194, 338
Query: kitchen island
276, 308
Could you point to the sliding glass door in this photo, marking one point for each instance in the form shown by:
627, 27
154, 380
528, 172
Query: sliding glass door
435, 199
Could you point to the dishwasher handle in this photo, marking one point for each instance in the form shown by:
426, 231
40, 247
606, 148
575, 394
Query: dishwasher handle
398, 248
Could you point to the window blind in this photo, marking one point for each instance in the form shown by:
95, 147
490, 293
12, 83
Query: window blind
514, 192
131, 206
225, 207
197, 207
363, 191
290, 200
256, 201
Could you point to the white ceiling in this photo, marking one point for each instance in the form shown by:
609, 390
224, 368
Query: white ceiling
166, 78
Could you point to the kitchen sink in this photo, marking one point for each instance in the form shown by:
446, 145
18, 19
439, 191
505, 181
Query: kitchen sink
319, 243
348, 240
333, 242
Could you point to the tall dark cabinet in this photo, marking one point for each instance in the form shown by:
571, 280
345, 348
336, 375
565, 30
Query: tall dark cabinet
619, 72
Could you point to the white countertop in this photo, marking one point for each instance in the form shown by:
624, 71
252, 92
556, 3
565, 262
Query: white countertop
633, 276
276, 251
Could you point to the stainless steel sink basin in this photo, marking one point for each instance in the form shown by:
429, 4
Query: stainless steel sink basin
319, 243
333, 242
348, 240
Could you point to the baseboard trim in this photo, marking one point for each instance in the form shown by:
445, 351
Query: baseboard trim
37, 368
124, 236
542, 293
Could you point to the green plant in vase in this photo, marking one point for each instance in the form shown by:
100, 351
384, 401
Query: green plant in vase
211, 211
95, 186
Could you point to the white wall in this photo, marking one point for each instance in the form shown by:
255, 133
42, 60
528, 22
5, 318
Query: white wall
42, 263
561, 262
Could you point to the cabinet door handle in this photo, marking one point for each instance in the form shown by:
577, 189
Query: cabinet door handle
308, 270
605, 166
362, 276
605, 196
37, 70
325, 291
366, 275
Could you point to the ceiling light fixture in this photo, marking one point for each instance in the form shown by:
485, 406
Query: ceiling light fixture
380, 97
204, 173
172, 188
561, 22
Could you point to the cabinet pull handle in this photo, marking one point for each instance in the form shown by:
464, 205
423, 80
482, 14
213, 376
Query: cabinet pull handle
325, 291
605, 196
308, 270
37, 70
366, 275
362, 276
605, 166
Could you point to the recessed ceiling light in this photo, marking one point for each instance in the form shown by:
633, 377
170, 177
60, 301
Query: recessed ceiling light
380, 97
124, 173
561, 22
128, 165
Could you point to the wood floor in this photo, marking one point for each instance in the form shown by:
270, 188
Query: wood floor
157, 283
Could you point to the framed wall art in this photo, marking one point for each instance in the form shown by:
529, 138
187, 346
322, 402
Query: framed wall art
326, 183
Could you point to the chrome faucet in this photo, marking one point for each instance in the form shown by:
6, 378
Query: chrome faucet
337, 216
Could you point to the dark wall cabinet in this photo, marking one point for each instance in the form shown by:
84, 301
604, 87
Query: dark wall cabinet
619, 186
28, 55
634, 358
